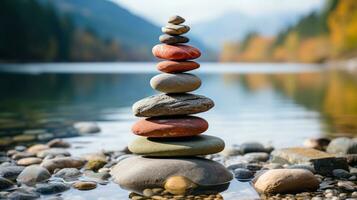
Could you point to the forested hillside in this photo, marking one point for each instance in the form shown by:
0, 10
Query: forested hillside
72, 30
327, 34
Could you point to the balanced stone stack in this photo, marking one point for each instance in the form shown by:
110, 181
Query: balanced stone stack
170, 139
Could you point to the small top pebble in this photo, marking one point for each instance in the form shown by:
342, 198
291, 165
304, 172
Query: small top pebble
176, 20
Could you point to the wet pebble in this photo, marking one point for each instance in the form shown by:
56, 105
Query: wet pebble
33, 174
5, 183
68, 174
51, 188
29, 161
243, 174
85, 185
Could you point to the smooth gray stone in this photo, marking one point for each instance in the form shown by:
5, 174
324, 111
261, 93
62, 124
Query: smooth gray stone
173, 39
60, 163
172, 104
183, 146
342, 145
33, 174
68, 174
173, 29
11, 172
5, 184
175, 83
53, 152
176, 20
139, 173
51, 188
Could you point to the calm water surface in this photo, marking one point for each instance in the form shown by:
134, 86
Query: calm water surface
278, 104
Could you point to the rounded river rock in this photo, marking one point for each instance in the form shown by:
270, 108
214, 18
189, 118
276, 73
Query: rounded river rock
183, 146
139, 173
172, 104
169, 66
175, 83
170, 127
176, 52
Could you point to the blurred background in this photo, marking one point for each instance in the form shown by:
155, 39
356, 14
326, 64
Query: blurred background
279, 71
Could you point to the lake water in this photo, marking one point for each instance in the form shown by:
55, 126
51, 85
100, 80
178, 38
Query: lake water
277, 104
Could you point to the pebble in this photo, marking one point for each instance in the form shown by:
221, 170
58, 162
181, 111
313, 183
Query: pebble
303, 166
33, 174
297, 155
230, 151
286, 181
175, 83
342, 145
29, 161
37, 148
85, 185
178, 52
51, 188
5, 183
341, 173
86, 127
347, 185
169, 66
173, 39
317, 143
170, 126
325, 166
176, 20
173, 29
179, 185
58, 143
60, 163
11, 172
257, 157
251, 147
20, 155
185, 146
53, 152
23, 195
132, 173
95, 164
68, 174
243, 174
172, 104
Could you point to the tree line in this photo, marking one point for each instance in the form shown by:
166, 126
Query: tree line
321, 35
31, 31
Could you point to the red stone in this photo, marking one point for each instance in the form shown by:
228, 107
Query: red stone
170, 126
176, 52
177, 66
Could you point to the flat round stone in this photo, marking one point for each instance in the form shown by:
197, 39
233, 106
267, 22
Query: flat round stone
172, 104
170, 127
173, 29
176, 20
173, 39
176, 52
168, 66
139, 173
175, 83
183, 146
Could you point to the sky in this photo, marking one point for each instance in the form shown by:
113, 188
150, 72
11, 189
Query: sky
197, 11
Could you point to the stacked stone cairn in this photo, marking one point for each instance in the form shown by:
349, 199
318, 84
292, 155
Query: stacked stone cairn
170, 147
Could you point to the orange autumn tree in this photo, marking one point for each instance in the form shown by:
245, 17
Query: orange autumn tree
343, 28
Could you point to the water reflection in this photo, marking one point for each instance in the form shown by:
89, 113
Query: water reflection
244, 102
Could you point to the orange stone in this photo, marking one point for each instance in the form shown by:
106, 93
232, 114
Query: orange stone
175, 52
177, 66
170, 126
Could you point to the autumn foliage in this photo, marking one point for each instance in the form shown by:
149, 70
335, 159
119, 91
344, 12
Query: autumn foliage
319, 36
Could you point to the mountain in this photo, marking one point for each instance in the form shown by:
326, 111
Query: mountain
235, 26
111, 21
